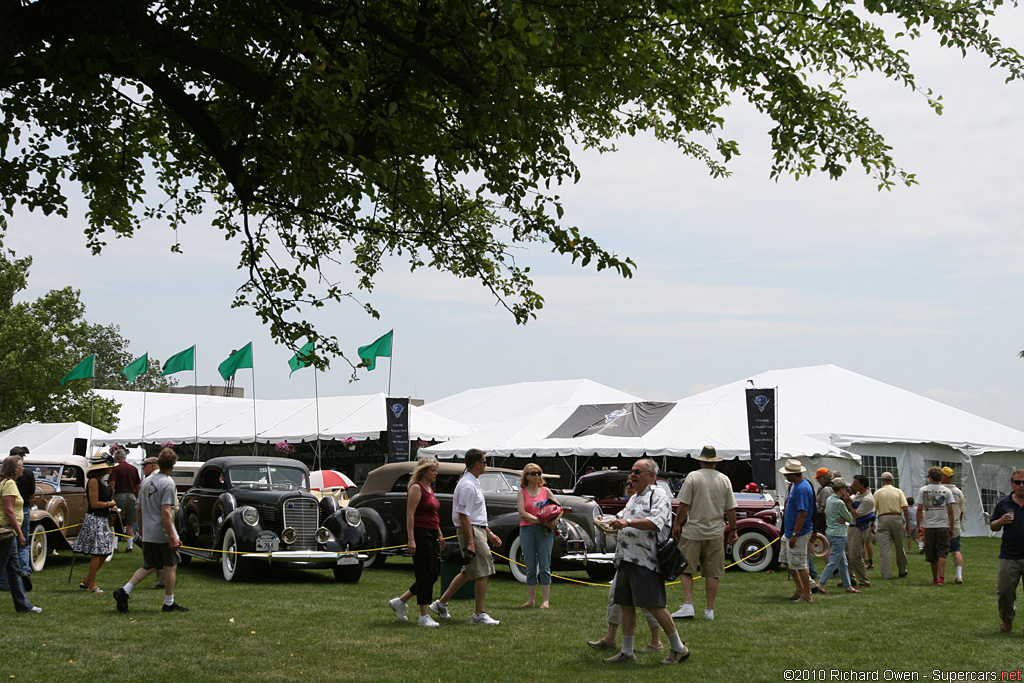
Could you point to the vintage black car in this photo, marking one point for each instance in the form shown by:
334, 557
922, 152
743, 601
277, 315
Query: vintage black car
756, 516
382, 501
245, 512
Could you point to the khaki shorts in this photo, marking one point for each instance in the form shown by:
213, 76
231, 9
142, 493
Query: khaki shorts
794, 558
705, 557
483, 564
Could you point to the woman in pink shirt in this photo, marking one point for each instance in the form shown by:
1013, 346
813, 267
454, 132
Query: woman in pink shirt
535, 538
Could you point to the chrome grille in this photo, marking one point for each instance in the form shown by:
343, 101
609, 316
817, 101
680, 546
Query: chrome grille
302, 514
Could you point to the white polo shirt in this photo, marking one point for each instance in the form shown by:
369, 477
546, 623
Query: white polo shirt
469, 500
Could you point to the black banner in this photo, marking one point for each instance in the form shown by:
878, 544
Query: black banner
398, 429
761, 428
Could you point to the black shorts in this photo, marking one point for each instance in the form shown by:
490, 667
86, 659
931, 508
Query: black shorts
638, 586
158, 556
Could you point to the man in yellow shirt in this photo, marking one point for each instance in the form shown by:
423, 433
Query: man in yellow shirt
893, 524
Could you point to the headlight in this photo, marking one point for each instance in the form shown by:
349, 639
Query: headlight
251, 515
289, 535
322, 535
562, 526
353, 517
596, 512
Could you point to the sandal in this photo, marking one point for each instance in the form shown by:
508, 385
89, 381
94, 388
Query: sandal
852, 590
823, 591
97, 589
83, 586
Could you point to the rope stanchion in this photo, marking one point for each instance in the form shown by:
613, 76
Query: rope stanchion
608, 585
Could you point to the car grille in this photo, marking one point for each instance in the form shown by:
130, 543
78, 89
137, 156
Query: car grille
302, 515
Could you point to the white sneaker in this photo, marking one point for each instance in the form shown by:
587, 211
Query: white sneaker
399, 608
709, 614
440, 609
425, 620
684, 612
484, 618
37, 610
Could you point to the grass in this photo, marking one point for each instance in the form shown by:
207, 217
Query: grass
299, 625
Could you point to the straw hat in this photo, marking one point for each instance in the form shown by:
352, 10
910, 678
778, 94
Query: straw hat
793, 466
100, 461
708, 454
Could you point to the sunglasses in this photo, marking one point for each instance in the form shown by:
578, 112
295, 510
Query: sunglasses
636, 472
537, 474
1018, 482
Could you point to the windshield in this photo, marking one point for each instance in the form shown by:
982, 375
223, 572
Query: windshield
499, 482
47, 473
268, 477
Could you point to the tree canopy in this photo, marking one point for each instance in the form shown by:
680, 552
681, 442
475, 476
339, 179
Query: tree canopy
430, 131
42, 340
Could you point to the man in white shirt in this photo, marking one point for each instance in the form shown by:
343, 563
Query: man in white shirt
469, 514
958, 520
935, 523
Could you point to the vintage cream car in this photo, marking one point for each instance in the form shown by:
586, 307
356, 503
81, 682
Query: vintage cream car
59, 504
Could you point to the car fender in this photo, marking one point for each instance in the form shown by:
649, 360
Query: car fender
244, 532
345, 535
768, 529
222, 509
374, 528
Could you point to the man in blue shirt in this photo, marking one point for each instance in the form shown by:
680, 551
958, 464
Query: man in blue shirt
798, 523
1008, 516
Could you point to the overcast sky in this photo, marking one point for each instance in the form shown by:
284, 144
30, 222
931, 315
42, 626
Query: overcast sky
919, 287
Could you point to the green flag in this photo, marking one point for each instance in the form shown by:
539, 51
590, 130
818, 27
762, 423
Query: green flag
137, 367
299, 360
236, 361
379, 348
83, 370
181, 361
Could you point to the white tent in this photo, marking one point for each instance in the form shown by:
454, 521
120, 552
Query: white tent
486, 407
683, 431
50, 438
144, 408
292, 420
892, 430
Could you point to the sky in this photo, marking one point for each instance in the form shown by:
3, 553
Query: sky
918, 287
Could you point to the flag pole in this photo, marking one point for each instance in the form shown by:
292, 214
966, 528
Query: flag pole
195, 401
318, 462
92, 408
255, 444
391, 362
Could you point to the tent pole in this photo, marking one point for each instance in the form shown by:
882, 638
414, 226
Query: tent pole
316, 405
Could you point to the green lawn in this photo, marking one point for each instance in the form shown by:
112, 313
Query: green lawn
301, 626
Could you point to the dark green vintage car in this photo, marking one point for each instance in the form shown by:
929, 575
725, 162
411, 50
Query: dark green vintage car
246, 512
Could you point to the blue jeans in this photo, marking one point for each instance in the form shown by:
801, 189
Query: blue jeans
25, 554
537, 541
9, 560
836, 561
5, 585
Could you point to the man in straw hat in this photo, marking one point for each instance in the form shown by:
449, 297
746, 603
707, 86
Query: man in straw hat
705, 498
796, 530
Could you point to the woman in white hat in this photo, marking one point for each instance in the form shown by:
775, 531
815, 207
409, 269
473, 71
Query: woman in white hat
94, 536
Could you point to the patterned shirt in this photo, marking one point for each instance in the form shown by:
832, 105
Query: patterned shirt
640, 546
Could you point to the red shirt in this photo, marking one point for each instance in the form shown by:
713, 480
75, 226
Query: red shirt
124, 478
529, 500
426, 516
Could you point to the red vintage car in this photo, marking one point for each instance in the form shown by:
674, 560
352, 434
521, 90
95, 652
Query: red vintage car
756, 515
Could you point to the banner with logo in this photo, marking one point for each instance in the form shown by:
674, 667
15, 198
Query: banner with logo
398, 429
612, 419
761, 429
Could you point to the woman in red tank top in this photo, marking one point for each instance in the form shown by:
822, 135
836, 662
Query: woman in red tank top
424, 530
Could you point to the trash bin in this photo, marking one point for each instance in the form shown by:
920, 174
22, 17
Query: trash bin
448, 572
